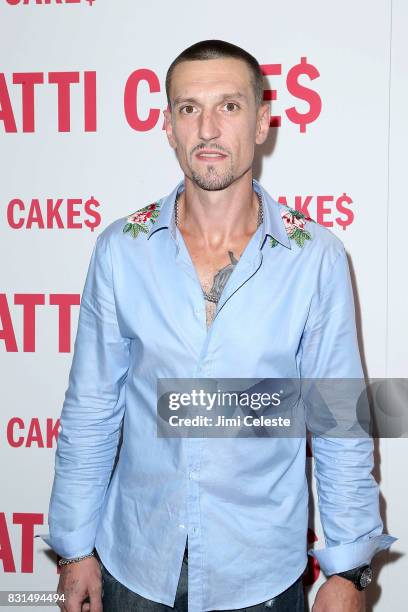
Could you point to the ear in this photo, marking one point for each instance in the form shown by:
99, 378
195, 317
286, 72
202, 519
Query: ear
168, 126
262, 122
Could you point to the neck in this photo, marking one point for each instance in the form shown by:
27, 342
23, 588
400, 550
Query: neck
215, 219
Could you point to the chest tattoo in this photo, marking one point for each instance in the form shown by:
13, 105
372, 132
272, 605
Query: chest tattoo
219, 281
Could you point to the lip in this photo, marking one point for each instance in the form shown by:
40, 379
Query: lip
201, 155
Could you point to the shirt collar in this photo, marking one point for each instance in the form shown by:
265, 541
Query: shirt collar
272, 221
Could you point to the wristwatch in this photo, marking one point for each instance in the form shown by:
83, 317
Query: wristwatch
359, 576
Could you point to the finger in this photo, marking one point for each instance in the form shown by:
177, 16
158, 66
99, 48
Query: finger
73, 606
96, 601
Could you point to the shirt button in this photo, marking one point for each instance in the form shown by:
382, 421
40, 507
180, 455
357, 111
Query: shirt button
195, 530
182, 526
192, 476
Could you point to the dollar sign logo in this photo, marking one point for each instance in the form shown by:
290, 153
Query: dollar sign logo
304, 93
340, 202
89, 205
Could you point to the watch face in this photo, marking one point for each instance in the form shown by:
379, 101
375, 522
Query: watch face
366, 577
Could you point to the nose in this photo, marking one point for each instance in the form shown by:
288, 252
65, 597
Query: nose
208, 126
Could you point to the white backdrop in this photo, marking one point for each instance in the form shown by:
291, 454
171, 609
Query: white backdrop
76, 157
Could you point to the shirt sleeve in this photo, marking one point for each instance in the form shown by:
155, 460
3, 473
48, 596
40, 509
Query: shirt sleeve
91, 414
348, 495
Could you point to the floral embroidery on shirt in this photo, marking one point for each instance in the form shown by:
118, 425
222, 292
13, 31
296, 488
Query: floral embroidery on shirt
136, 222
294, 222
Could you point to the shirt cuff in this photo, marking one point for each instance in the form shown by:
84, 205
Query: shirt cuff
65, 546
343, 557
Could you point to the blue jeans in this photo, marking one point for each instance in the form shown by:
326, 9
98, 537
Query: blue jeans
118, 598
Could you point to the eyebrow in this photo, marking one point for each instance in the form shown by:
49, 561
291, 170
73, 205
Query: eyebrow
235, 94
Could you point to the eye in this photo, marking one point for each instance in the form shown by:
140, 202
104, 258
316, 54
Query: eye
189, 108
231, 104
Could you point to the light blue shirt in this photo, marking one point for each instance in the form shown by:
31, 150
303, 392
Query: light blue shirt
286, 311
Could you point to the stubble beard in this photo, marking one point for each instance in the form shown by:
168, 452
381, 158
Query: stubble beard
212, 180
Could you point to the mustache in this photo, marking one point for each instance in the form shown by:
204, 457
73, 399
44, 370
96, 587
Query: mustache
206, 146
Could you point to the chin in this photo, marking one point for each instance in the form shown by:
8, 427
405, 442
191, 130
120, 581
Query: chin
214, 182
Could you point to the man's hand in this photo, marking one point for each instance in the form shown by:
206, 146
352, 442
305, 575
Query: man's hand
78, 581
338, 594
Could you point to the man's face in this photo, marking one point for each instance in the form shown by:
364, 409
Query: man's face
214, 124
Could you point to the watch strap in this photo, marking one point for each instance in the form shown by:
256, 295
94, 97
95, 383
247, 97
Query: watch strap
355, 574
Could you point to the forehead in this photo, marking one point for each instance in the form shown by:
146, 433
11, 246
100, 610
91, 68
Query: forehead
210, 78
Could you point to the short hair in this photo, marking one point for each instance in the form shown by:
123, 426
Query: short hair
216, 49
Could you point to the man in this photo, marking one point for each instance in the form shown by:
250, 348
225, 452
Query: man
214, 280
